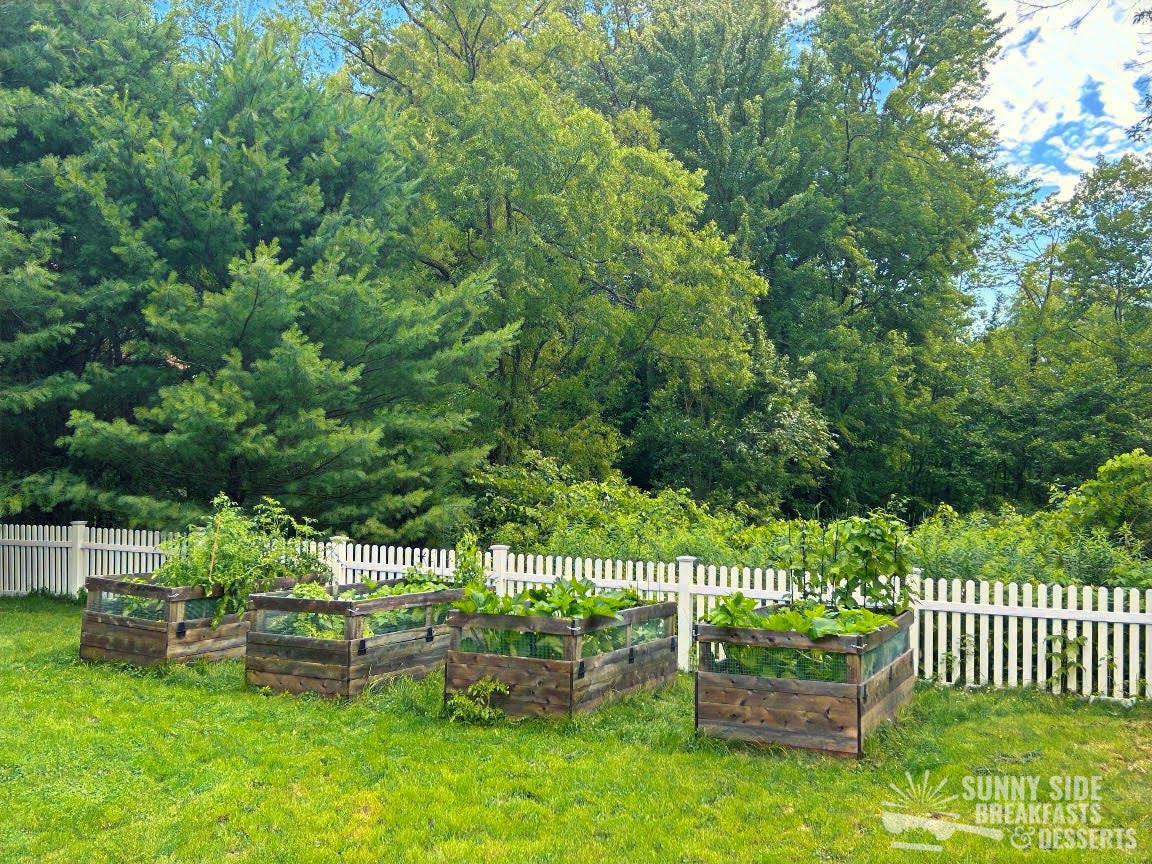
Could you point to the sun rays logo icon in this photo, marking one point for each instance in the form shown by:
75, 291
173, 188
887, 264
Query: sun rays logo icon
921, 806
921, 798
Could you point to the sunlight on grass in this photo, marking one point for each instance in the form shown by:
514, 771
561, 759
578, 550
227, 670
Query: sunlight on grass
186, 764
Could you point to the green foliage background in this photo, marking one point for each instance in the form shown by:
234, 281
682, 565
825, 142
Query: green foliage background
408, 268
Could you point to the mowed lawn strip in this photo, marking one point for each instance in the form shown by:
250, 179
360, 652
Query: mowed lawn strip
186, 764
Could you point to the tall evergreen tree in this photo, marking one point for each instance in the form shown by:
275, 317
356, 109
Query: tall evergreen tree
68, 300
274, 338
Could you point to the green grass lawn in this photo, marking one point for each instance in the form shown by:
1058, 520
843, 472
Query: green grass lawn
108, 763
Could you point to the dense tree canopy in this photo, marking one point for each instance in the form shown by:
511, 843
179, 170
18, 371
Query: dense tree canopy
367, 256
846, 157
233, 249
1064, 377
638, 327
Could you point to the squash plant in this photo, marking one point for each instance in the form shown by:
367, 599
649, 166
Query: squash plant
241, 552
813, 619
847, 577
564, 598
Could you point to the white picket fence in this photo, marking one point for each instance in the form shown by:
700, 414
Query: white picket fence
57, 559
1096, 642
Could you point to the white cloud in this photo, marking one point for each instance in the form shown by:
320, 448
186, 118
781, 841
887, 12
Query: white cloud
1064, 92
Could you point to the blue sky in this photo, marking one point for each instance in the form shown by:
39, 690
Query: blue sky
1067, 86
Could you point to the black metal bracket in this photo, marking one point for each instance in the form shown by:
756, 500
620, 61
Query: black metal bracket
362, 648
673, 647
429, 636
181, 630
632, 654
580, 670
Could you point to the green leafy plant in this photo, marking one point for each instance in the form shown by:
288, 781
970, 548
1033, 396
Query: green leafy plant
243, 551
469, 561
474, 705
1064, 653
564, 598
858, 561
734, 610
321, 625
478, 600
577, 599
814, 620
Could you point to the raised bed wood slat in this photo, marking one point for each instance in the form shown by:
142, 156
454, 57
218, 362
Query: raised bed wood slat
833, 716
344, 666
146, 624
572, 682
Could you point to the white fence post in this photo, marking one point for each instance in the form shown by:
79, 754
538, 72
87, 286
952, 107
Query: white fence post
499, 568
337, 555
685, 564
77, 561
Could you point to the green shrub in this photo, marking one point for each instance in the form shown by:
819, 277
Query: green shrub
474, 705
1118, 501
1042, 547
1099, 534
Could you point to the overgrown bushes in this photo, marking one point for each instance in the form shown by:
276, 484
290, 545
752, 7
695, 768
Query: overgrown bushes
1098, 534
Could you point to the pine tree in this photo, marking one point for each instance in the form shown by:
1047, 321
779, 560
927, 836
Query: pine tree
264, 331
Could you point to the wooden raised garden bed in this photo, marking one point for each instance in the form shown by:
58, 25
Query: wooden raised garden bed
145, 624
374, 638
780, 687
560, 666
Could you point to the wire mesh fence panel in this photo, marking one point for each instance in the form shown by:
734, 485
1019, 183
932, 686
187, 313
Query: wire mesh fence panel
650, 630
604, 640
512, 643
765, 662
128, 605
314, 625
206, 607
395, 620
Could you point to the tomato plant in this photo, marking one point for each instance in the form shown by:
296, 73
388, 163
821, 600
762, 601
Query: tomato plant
243, 551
